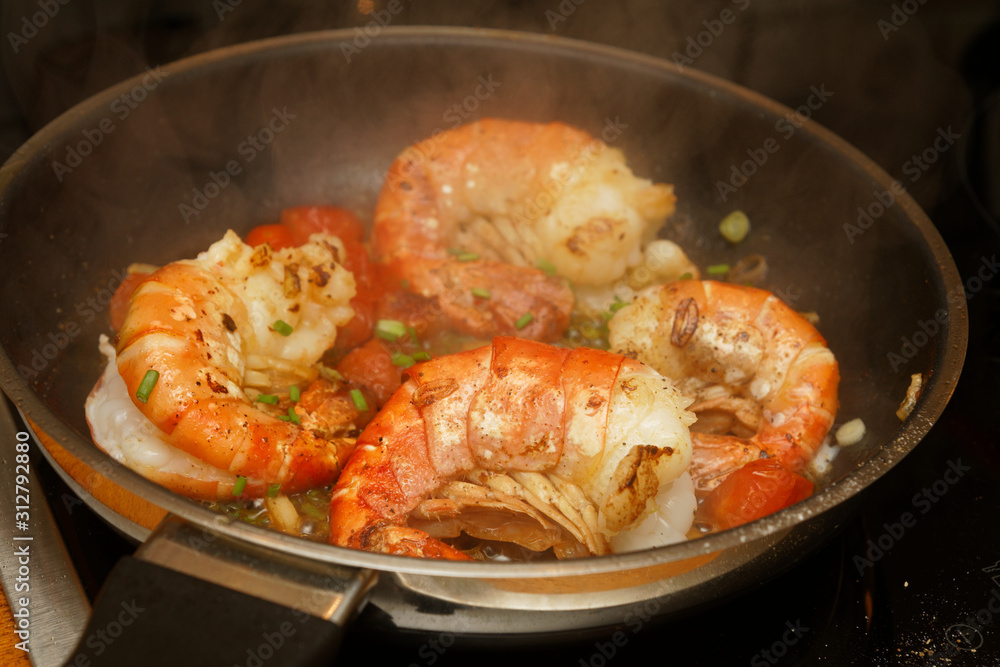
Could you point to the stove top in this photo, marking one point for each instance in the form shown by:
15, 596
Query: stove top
914, 578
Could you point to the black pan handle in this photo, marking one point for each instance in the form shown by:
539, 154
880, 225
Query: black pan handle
193, 597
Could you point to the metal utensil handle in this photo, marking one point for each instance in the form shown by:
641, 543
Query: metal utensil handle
224, 602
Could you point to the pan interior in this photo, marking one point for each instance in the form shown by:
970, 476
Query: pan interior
228, 140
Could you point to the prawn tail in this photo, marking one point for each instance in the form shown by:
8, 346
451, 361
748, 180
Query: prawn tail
715, 457
406, 541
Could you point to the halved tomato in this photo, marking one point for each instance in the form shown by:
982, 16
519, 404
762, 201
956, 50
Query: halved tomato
757, 489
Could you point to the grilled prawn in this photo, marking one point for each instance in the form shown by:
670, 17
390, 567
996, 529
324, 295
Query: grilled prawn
221, 330
762, 377
522, 442
467, 217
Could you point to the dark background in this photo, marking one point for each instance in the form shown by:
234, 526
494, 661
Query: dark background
900, 74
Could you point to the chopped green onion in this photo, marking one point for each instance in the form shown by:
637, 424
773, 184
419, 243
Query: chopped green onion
282, 327
241, 483
404, 283
359, 399
462, 255
294, 393
617, 305
481, 292
400, 359
292, 416
523, 321
147, 384
421, 356
735, 226
272, 490
412, 333
267, 398
314, 512
718, 269
284, 418
391, 330
687, 275
330, 373
545, 265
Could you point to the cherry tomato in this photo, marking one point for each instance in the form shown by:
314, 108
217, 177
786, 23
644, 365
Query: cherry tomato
757, 489
120, 299
360, 328
303, 221
371, 367
277, 236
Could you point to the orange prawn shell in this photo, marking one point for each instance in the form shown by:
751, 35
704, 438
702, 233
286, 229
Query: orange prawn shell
795, 370
179, 321
427, 433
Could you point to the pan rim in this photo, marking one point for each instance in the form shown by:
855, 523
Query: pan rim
939, 387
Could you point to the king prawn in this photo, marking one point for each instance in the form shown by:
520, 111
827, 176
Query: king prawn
513, 364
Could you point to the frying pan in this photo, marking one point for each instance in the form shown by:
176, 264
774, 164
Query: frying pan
160, 166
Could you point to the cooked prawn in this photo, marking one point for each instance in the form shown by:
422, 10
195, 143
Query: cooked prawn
762, 377
482, 206
208, 327
518, 441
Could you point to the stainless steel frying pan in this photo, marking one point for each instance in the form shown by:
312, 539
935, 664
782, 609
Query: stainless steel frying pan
158, 167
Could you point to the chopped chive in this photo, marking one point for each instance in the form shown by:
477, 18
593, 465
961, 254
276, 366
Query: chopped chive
481, 292
545, 265
267, 398
390, 329
687, 275
272, 490
314, 512
294, 393
412, 333
241, 483
282, 327
403, 360
359, 399
617, 305
718, 269
292, 416
421, 356
284, 418
462, 255
330, 373
523, 321
735, 226
147, 384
